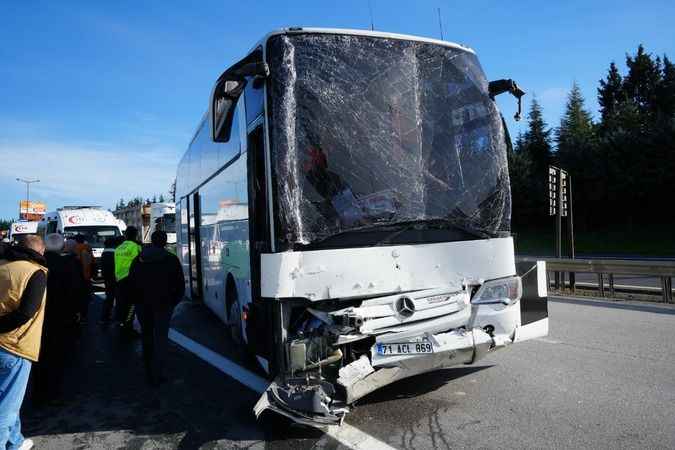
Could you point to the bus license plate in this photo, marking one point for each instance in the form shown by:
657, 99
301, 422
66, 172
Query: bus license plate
405, 348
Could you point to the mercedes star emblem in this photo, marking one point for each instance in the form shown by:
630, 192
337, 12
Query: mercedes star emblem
405, 306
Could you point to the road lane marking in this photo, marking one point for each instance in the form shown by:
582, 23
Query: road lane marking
548, 341
245, 377
345, 434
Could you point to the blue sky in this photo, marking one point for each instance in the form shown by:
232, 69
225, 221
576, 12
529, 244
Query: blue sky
99, 99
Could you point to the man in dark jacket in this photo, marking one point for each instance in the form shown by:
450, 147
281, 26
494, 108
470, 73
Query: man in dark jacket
65, 285
157, 285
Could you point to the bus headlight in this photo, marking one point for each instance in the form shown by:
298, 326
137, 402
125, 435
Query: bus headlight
505, 290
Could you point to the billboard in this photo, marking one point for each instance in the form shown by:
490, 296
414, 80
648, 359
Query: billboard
31, 210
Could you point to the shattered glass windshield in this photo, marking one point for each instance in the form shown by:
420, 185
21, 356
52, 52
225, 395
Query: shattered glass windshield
370, 133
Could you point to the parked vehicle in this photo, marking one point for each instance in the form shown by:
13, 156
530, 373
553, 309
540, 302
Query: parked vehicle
95, 223
22, 228
149, 217
163, 217
345, 210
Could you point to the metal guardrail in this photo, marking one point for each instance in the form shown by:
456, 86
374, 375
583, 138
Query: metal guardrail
665, 270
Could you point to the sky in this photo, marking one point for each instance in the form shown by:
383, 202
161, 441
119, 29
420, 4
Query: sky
99, 100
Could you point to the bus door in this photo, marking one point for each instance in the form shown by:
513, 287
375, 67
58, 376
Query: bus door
258, 214
195, 248
258, 331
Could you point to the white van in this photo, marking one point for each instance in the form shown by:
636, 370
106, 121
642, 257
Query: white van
163, 217
95, 223
21, 229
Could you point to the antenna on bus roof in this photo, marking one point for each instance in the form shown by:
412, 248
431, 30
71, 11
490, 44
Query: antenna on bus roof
440, 22
372, 22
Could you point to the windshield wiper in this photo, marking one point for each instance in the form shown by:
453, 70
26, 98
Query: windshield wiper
438, 224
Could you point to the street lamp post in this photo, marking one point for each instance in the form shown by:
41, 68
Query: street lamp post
28, 183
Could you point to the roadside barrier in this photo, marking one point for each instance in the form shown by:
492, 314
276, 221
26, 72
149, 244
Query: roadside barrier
606, 269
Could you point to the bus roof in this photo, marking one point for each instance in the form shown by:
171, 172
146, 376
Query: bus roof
354, 32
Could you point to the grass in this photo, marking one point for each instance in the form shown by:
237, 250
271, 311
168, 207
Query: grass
644, 241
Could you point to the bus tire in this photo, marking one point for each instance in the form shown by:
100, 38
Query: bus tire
233, 310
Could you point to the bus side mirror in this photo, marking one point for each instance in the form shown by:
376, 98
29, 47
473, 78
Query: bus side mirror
225, 94
498, 87
221, 109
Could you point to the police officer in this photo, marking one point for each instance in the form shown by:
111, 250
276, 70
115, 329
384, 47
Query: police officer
125, 254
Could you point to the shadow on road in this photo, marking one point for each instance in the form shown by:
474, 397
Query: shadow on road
108, 405
419, 385
657, 309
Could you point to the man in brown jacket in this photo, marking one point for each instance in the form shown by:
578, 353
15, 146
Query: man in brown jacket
23, 283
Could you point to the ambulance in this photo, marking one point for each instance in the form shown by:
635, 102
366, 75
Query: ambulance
93, 222
22, 228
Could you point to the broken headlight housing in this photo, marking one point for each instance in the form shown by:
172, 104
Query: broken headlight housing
506, 291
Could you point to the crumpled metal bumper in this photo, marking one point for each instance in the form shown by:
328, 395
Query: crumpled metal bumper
311, 402
450, 349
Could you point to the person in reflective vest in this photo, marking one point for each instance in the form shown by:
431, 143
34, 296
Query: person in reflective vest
23, 292
125, 254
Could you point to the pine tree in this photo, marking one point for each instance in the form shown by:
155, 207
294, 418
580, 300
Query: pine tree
576, 127
640, 86
610, 93
534, 149
577, 153
666, 92
537, 140
172, 191
161, 198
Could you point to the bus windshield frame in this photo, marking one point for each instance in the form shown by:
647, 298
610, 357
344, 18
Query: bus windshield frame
369, 133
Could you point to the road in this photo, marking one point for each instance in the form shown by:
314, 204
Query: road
603, 378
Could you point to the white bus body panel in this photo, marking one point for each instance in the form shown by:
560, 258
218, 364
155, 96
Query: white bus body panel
365, 272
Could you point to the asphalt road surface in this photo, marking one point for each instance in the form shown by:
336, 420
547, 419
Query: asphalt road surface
603, 378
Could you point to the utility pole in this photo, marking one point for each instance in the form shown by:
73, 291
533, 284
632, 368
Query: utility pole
570, 230
28, 183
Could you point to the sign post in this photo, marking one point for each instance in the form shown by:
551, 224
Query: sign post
560, 205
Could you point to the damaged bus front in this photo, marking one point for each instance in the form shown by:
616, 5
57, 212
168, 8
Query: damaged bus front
389, 208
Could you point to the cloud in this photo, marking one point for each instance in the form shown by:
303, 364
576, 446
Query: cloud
88, 172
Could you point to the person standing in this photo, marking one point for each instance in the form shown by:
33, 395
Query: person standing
23, 286
108, 269
125, 254
70, 247
157, 283
86, 257
64, 286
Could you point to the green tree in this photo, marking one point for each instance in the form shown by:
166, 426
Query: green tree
641, 84
610, 93
172, 191
577, 153
161, 198
536, 149
520, 176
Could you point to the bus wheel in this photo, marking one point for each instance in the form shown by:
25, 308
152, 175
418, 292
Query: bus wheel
233, 311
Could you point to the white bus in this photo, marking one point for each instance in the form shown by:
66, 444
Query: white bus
345, 210
94, 223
